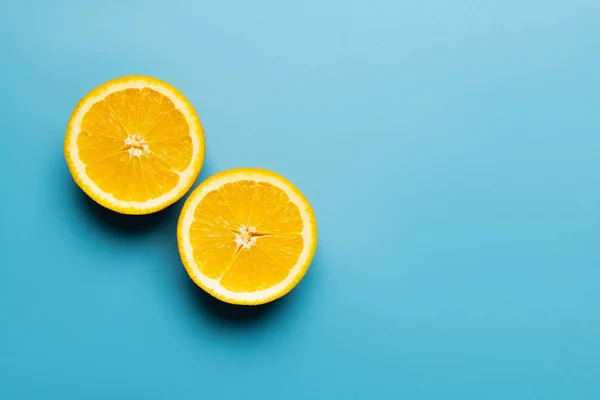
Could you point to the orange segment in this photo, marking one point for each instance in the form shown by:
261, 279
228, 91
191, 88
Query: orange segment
263, 266
214, 260
95, 148
246, 236
134, 144
177, 153
101, 121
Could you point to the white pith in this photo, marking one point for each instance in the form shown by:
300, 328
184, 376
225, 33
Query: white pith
214, 284
244, 238
137, 145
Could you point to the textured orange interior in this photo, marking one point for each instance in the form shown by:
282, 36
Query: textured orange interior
133, 143
275, 227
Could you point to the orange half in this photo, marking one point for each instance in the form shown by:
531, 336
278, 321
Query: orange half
247, 236
135, 145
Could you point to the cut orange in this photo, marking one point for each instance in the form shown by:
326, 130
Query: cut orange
247, 236
135, 145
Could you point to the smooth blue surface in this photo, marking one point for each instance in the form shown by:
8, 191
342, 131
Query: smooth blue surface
451, 152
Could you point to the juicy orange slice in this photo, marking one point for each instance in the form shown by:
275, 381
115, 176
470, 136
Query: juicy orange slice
247, 236
135, 145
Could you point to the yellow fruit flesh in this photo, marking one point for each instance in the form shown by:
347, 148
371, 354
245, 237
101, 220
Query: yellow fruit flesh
247, 234
133, 143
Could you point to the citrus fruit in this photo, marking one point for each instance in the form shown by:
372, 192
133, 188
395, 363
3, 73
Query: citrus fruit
134, 144
247, 236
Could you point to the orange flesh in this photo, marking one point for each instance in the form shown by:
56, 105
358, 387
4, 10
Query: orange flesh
247, 234
133, 143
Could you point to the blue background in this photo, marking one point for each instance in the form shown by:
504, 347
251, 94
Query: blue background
450, 150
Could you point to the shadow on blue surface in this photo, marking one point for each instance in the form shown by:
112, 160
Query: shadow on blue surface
227, 314
122, 223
